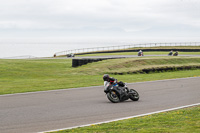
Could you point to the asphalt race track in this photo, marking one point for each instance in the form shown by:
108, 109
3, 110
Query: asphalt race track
44, 111
115, 56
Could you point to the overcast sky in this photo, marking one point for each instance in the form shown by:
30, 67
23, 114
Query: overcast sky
99, 18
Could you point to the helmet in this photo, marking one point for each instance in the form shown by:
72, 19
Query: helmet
106, 77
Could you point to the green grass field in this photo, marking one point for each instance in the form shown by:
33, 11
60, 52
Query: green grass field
180, 121
19, 76
129, 65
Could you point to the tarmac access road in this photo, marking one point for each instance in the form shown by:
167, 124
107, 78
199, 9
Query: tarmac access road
50, 110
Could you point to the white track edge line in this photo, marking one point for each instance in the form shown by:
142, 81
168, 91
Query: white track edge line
124, 118
91, 87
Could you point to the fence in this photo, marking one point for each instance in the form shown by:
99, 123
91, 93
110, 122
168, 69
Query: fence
124, 47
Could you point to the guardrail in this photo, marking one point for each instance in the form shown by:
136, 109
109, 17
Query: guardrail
124, 47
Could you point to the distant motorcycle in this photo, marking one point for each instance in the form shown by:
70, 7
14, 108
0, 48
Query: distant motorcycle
70, 55
175, 54
140, 54
117, 93
170, 54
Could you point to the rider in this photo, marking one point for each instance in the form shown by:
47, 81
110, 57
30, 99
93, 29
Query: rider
176, 53
171, 52
140, 53
106, 77
121, 85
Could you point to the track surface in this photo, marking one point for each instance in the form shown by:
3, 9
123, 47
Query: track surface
43, 111
129, 56
108, 56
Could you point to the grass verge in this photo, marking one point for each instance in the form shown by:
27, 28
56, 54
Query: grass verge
182, 121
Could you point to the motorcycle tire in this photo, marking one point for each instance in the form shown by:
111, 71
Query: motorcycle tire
113, 97
134, 95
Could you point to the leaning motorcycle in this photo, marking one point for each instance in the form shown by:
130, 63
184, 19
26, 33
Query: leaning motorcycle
117, 93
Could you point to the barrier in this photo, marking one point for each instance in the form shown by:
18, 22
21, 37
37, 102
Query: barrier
80, 62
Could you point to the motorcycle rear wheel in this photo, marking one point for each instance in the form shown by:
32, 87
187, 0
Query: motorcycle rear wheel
112, 96
134, 95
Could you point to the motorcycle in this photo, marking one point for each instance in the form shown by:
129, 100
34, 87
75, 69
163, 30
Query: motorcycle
170, 54
70, 55
140, 54
116, 93
175, 54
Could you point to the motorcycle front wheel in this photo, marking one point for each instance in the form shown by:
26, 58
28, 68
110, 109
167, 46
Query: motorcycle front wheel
134, 95
112, 96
